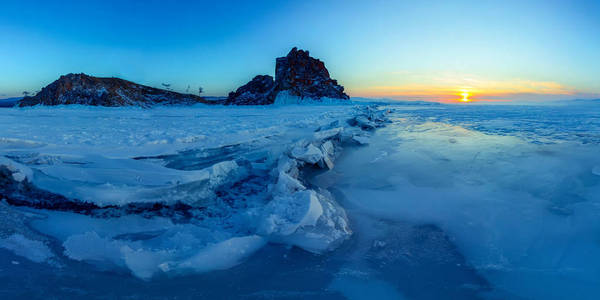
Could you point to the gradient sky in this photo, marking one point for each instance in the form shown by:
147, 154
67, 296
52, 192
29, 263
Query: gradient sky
429, 50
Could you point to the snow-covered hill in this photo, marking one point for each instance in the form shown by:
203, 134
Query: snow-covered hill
98, 91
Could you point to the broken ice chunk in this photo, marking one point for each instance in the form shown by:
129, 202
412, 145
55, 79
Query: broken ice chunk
309, 154
285, 214
328, 151
364, 123
327, 148
327, 134
201, 192
287, 165
331, 125
362, 140
19, 171
219, 256
287, 184
307, 219
221, 172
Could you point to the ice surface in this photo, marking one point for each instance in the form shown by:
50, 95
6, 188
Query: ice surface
224, 175
596, 170
132, 132
445, 202
365, 288
88, 154
522, 207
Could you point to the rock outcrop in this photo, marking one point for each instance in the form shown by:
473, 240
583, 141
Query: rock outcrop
259, 91
97, 91
306, 77
297, 75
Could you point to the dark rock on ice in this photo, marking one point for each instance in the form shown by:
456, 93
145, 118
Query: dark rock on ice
97, 91
297, 74
259, 91
306, 77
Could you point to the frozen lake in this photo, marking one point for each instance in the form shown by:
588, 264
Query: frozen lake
445, 202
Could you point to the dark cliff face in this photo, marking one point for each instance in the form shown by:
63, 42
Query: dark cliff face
259, 91
298, 74
96, 91
306, 77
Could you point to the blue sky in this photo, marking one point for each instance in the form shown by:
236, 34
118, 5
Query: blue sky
494, 50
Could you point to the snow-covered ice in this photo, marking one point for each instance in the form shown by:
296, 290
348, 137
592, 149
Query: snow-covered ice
510, 187
298, 201
232, 200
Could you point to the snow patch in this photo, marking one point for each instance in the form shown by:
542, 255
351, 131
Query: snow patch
36, 251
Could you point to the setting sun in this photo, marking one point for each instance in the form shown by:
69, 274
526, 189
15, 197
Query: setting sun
465, 96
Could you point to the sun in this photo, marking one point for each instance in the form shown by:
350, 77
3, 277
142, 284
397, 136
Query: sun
465, 96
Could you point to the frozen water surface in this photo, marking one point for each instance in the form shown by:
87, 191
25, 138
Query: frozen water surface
445, 202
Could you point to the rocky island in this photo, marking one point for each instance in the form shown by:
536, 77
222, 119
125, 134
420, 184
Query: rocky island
97, 91
298, 77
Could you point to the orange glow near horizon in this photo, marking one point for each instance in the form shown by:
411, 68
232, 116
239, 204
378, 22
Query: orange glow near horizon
468, 89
